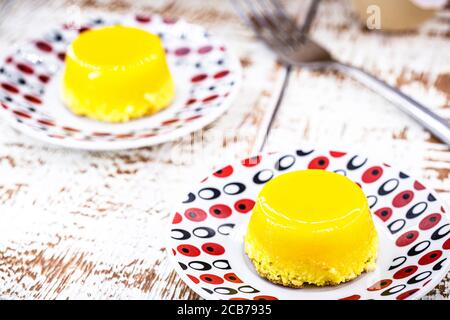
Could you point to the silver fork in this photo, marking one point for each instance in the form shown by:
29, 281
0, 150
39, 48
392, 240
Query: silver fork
280, 32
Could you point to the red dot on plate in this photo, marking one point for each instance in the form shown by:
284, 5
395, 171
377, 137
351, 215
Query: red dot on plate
220, 211
44, 78
182, 51
213, 249
169, 20
190, 101
418, 186
337, 154
232, 278
319, 163
143, 18
405, 272
244, 205
406, 294
446, 245
25, 68
380, 285
251, 162
407, 238
188, 250
70, 129
62, 56
46, 122
10, 88
193, 118
221, 74
403, 198
4, 106
205, 49
211, 279
210, 98
44, 46
83, 29
194, 279
265, 298
430, 221
22, 114
384, 213
199, 77
101, 134
430, 257
224, 172
195, 214
372, 174
170, 121
353, 297
177, 218
124, 136
32, 99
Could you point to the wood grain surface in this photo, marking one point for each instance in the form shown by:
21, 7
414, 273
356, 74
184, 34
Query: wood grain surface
92, 225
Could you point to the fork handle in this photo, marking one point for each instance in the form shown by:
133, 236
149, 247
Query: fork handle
430, 120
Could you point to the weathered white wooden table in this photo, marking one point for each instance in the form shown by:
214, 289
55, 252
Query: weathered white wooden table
79, 224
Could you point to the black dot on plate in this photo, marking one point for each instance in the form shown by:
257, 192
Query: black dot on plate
434, 255
58, 37
220, 62
2, 70
217, 211
182, 265
198, 110
98, 21
384, 213
375, 172
9, 99
185, 250
22, 81
192, 214
232, 278
210, 249
405, 196
32, 109
212, 88
433, 219
383, 283
241, 206
198, 65
410, 236
208, 279
408, 270
321, 162
161, 35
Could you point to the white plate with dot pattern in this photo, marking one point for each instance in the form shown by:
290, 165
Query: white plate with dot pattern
206, 75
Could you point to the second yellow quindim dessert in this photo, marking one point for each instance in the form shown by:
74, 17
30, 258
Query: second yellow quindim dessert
311, 227
115, 74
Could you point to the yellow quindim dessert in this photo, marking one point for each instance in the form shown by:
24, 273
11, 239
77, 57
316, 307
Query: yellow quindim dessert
115, 74
311, 227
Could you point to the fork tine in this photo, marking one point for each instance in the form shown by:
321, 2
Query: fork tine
270, 29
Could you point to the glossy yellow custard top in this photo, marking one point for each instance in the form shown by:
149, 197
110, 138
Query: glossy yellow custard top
311, 226
116, 74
